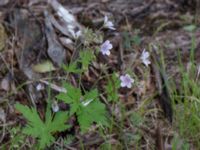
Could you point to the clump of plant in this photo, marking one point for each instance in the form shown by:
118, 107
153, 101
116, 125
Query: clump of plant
186, 106
186, 100
86, 106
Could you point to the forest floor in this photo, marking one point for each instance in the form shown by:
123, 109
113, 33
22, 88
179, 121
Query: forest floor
46, 44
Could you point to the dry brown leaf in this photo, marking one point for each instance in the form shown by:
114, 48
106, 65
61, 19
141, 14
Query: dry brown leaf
3, 37
55, 50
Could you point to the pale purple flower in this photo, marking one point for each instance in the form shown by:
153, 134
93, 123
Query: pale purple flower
126, 81
108, 24
106, 47
145, 58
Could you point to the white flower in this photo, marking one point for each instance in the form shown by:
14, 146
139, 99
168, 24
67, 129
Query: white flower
55, 106
40, 87
106, 47
87, 102
145, 58
126, 81
108, 24
77, 34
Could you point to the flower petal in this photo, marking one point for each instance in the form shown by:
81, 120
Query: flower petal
107, 52
105, 19
122, 78
129, 85
123, 84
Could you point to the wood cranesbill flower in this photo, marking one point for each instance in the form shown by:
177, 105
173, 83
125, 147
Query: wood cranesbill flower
126, 81
108, 24
106, 47
145, 58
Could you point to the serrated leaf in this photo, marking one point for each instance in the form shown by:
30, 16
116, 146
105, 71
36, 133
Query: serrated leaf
93, 94
40, 129
72, 67
58, 123
86, 56
93, 112
72, 94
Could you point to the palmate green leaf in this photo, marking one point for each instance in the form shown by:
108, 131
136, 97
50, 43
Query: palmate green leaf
72, 97
40, 129
72, 94
58, 123
86, 56
94, 112
87, 114
72, 68
93, 94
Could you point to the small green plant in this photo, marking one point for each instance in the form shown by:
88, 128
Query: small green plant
92, 37
87, 107
86, 56
40, 129
178, 143
112, 88
186, 101
136, 119
186, 107
17, 140
129, 40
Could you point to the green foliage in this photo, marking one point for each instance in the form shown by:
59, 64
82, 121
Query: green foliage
178, 143
68, 139
87, 107
91, 37
40, 129
187, 113
186, 103
136, 39
72, 67
112, 88
86, 56
16, 139
129, 40
136, 119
